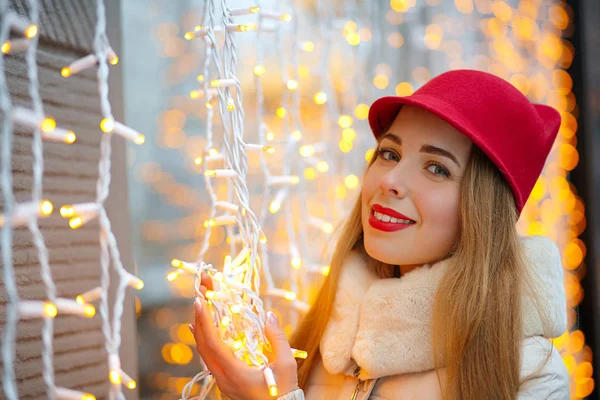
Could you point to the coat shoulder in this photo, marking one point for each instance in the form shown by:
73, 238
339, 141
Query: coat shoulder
543, 371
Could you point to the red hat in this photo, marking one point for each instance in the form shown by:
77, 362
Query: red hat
515, 134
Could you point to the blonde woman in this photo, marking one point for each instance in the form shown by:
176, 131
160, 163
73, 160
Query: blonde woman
432, 294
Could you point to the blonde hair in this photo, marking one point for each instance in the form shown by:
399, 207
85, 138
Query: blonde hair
477, 323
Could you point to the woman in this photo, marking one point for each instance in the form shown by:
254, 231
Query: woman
431, 293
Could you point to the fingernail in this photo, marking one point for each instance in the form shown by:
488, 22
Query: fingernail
192, 329
273, 319
198, 303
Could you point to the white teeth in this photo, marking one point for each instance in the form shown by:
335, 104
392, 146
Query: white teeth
387, 218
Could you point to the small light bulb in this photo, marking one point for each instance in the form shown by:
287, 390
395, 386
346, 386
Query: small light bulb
65, 72
292, 84
320, 98
67, 211
270, 136
6, 47
210, 294
198, 160
281, 112
215, 83
322, 166
225, 321
219, 277
70, 138
254, 9
274, 207
48, 125
345, 121
290, 296
194, 94
31, 31
75, 222
299, 353
269, 149
259, 70
131, 384
200, 78
89, 310
139, 285
297, 135
46, 208
140, 139
327, 227
273, 390
307, 150
296, 262
50, 310
230, 105
107, 125
238, 344
286, 17
176, 263
188, 35
325, 270
295, 179
213, 152
172, 276
235, 309
88, 396
308, 46
114, 60
115, 377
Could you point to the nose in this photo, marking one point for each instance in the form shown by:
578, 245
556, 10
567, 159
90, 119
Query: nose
393, 183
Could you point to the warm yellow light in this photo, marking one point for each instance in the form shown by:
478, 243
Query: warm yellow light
286, 17
107, 125
140, 139
48, 125
176, 263
345, 121
320, 98
194, 94
361, 111
281, 112
200, 78
322, 166
211, 173
230, 107
238, 344
308, 46
115, 377
300, 354
310, 173
70, 138
225, 321
295, 179
215, 83
351, 181
369, 155
75, 222
188, 35
89, 310
291, 296
235, 309
399, 5
65, 72
269, 149
210, 294
346, 146
296, 262
307, 150
31, 31
327, 227
198, 160
353, 38
131, 384
380, 81
325, 270
274, 207
350, 26
270, 136
297, 135
254, 10
139, 285
172, 276
349, 134
263, 239
114, 60
79, 299
292, 84
88, 396
46, 208
50, 310
213, 152
273, 390
219, 277
6, 47
259, 70
67, 211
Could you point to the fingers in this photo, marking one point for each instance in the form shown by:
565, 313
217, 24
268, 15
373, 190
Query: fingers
210, 362
277, 338
213, 344
206, 281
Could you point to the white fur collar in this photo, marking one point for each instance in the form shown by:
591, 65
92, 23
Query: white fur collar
384, 325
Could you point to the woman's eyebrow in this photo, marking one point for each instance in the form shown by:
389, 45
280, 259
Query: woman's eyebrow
426, 148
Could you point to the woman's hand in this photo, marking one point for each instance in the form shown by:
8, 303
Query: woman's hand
236, 379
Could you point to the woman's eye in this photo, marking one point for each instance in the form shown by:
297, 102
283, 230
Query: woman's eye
438, 169
388, 155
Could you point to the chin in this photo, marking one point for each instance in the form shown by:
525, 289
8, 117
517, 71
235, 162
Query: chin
377, 249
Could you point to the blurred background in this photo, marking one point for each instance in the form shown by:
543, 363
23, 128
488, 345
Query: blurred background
312, 78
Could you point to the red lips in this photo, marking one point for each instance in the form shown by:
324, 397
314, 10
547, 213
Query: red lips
390, 212
388, 226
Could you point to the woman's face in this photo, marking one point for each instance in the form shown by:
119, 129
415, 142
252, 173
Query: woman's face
411, 193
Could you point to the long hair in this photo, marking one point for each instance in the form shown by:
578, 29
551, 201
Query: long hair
477, 317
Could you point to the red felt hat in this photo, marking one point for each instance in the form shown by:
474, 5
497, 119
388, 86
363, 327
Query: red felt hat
514, 133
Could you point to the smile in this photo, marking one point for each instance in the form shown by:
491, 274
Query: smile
388, 220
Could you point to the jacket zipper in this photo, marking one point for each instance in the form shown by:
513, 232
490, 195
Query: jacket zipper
358, 385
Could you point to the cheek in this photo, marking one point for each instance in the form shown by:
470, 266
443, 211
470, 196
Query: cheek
439, 211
